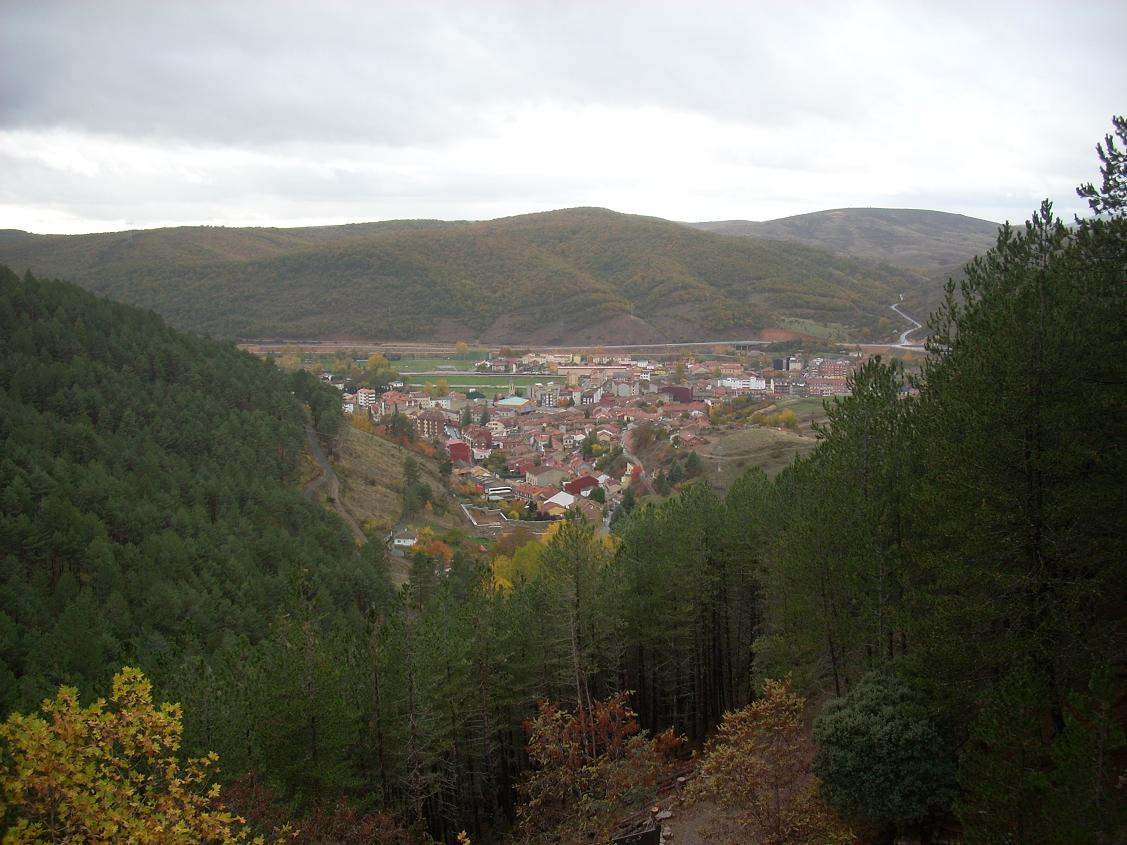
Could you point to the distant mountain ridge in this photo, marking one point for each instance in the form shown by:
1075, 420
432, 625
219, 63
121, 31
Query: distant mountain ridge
934, 244
583, 275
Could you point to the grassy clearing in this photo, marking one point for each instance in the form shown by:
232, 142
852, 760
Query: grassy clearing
807, 410
423, 364
826, 331
371, 482
729, 454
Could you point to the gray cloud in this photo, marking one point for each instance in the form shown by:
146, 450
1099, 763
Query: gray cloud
409, 107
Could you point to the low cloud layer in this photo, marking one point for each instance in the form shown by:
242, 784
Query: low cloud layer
118, 115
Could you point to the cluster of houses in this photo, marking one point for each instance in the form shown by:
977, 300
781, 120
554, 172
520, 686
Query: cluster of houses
568, 443
543, 456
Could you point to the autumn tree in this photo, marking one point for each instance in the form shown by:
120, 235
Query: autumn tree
108, 772
588, 764
290, 359
758, 766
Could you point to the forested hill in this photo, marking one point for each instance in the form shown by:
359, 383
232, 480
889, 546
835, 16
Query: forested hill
933, 244
579, 275
149, 511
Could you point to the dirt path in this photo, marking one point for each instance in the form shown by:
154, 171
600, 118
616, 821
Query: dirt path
328, 476
702, 823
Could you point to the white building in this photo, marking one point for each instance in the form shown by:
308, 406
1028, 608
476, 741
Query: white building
405, 539
562, 498
743, 383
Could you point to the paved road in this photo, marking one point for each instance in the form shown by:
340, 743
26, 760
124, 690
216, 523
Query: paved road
916, 325
328, 476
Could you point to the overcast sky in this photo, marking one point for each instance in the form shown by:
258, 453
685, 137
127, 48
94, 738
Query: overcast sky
119, 115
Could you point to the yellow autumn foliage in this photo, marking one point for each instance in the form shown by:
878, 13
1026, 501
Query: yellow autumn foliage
758, 767
525, 561
109, 772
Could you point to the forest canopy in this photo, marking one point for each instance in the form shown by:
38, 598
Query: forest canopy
148, 501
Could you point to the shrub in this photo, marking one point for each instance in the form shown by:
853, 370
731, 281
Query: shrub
879, 755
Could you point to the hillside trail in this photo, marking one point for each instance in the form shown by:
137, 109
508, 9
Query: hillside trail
328, 477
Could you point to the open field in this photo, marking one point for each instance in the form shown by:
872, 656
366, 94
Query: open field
411, 367
371, 483
420, 364
807, 410
729, 454
825, 331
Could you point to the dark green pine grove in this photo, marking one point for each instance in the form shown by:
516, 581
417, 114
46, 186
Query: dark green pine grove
147, 504
943, 575
969, 541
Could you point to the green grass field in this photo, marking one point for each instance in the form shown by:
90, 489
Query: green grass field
486, 381
420, 364
826, 331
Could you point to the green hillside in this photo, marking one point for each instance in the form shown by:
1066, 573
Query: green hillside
149, 510
931, 244
579, 275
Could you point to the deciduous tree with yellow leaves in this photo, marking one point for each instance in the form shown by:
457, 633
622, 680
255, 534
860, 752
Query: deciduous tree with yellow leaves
758, 766
109, 772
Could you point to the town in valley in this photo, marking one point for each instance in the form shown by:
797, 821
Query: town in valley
524, 437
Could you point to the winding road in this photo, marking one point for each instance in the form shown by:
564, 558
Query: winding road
916, 326
328, 476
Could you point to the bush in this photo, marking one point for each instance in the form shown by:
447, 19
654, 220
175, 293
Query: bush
880, 757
